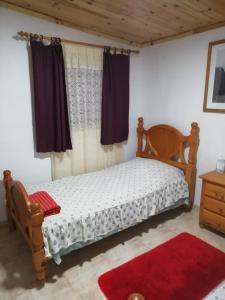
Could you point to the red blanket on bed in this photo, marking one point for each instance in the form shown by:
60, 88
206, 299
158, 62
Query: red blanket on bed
47, 204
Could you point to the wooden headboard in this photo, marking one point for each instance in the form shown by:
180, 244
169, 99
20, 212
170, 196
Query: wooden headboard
167, 144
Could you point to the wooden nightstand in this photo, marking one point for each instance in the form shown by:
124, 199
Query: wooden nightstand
212, 209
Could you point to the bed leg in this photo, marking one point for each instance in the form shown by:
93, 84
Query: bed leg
39, 263
191, 170
38, 252
188, 208
201, 225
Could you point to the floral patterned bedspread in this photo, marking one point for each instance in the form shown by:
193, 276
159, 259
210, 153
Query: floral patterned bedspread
97, 204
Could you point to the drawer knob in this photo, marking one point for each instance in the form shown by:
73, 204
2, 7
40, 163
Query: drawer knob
219, 196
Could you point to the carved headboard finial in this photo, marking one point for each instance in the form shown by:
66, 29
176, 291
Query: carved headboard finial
140, 122
190, 174
194, 141
7, 177
194, 127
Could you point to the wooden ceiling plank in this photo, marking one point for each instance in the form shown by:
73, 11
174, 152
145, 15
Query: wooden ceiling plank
201, 12
139, 22
80, 20
185, 34
149, 10
150, 19
177, 10
60, 12
187, 16
47, 17
209, 7
118, 20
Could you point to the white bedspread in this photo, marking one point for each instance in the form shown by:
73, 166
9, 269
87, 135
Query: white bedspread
96, 204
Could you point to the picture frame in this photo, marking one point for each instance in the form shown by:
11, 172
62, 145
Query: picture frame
214, 97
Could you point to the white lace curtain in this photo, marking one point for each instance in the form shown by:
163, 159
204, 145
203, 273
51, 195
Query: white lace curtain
83, 68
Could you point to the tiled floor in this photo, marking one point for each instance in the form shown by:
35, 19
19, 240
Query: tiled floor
76, 277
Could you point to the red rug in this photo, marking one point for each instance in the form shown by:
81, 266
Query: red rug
182, 268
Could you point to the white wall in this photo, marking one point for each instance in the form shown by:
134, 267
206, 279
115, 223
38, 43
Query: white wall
16, 133
172, 90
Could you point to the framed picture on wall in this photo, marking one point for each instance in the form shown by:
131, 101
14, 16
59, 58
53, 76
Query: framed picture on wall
214, 99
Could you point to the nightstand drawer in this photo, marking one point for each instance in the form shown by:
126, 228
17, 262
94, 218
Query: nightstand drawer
214, 191
214, 205
213, 220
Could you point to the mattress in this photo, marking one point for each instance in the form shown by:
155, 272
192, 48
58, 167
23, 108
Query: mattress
98, 204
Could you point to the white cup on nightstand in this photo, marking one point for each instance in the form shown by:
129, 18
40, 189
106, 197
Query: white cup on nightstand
220, 165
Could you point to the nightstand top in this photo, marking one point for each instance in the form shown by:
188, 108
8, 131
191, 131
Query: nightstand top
214, 177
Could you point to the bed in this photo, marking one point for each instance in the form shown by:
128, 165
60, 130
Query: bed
99, 204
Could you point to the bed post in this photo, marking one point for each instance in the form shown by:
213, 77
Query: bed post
38, 253
7, 183
191, 170
140, 130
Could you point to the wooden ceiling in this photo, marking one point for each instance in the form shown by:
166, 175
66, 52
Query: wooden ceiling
134, 22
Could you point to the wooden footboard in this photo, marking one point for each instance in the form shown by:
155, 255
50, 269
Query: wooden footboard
28, 218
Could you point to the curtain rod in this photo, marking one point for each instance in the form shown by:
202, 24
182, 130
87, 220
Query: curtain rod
27, 35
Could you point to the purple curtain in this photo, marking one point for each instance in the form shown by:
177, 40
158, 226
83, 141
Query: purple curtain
115, 98
50, 101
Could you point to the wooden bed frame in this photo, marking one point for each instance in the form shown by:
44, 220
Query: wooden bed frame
162, 142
